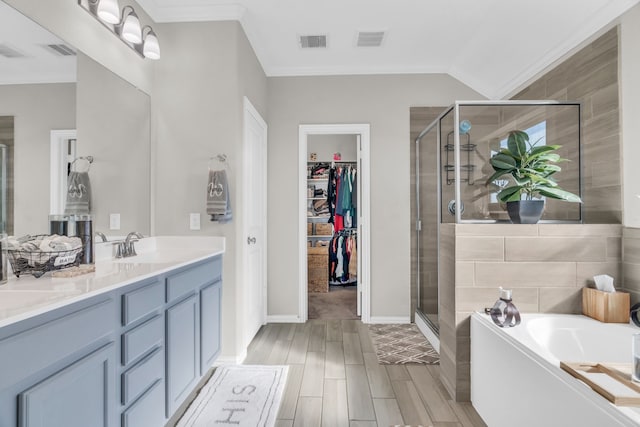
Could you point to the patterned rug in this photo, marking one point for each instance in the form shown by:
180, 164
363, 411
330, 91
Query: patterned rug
239, 395
399, 344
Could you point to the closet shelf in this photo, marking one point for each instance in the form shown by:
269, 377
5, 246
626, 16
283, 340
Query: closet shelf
316, 198
318, 237
318, 219
318, 179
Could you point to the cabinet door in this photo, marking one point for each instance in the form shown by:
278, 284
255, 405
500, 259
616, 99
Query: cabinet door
209, 325
182, 351
79, 395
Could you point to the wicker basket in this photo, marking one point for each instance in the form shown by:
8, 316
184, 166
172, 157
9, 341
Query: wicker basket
318, 269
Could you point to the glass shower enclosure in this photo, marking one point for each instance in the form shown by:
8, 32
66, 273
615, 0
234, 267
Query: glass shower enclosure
452, 168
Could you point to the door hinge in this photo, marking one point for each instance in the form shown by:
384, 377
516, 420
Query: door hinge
419, 225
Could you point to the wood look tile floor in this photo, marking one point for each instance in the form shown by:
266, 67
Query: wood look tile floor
335, 380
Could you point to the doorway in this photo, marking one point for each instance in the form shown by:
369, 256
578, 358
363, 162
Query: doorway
316, 232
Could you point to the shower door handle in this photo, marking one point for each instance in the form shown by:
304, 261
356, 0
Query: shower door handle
251, 240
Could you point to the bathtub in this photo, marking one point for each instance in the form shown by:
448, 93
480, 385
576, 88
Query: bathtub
516, 379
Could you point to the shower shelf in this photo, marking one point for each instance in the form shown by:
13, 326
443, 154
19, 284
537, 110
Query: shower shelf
468, 168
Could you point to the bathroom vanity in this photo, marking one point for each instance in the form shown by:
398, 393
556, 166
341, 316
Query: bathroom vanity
123, 346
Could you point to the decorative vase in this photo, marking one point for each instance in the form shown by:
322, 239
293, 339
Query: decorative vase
525, 211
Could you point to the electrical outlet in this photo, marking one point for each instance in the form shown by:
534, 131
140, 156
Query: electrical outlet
194, 221
114, 221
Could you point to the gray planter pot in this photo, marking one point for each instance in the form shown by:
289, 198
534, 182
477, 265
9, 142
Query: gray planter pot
525, 211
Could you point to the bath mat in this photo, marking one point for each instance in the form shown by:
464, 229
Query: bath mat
239, 395
400, 344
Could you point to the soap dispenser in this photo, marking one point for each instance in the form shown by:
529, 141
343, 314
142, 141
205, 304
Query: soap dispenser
504, 313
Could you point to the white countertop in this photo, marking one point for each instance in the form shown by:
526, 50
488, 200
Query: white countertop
26, 296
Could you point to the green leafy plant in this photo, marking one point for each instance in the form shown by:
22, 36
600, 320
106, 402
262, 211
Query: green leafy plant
532, 167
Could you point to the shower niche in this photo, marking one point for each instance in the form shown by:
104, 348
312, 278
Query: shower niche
451, 168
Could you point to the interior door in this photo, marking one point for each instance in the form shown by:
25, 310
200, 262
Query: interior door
254, 239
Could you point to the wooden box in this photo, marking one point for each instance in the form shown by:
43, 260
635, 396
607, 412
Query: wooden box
318, 269
607, 307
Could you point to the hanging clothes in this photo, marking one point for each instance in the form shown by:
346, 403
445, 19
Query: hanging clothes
340, 197
343, 261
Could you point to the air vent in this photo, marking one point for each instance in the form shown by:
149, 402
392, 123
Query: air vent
370, 38
10, 52
60, 49
312, 42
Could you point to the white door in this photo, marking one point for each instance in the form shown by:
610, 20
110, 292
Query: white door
255, 208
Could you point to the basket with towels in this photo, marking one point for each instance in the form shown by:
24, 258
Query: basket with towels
36, 255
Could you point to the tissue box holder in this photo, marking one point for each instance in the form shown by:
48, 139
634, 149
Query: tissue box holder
607, 307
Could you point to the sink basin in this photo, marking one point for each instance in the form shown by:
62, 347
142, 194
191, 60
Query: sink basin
160, 257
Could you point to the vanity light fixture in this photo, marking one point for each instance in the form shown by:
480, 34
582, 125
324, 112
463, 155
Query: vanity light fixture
129, 26
108, 11
150, 45
126, 25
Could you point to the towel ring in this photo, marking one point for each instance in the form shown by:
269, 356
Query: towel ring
222, 158
88, 159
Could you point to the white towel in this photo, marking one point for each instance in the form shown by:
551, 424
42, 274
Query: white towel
218, 201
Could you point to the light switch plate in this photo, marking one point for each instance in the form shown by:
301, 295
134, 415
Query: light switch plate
194, 221
114, 221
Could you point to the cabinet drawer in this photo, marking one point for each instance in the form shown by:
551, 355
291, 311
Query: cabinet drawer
141, 339
146, 411
192, 278
141, 301
142, 375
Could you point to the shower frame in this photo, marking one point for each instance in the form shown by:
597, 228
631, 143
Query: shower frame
455, 107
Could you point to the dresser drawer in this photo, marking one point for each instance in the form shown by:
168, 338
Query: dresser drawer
142, 375
142, 301
190, 279
141, 339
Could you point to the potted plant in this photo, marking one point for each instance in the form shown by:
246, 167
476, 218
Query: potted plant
532, 168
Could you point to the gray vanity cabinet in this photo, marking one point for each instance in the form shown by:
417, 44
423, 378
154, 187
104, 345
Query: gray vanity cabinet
126, 358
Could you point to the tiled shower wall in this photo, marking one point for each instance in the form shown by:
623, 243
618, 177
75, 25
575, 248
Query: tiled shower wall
546, 266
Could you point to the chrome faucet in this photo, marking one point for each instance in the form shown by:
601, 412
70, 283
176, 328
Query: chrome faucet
126, 248
101, 235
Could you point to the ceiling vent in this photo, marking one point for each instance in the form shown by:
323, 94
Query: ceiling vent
312, 42
370, 38
60, 49
10, 52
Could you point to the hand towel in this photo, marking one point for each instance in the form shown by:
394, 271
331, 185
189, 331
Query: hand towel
78, 194
218, 200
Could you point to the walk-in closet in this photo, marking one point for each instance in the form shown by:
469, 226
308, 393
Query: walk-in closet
332, 229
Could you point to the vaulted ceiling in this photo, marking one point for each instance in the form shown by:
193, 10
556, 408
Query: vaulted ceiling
493, 46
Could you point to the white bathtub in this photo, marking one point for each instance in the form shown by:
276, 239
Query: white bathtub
516, 379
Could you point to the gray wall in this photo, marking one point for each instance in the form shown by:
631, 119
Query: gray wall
326, 145
37, 109
383, 102
199, 85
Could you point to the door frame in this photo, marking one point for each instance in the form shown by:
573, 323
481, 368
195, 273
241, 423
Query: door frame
248, 198
58, 161
364, 211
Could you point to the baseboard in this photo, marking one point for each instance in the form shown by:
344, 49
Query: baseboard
388, 320
428, 333
231, 360
286, 318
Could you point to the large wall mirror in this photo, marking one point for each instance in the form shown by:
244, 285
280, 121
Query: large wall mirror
46, 85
